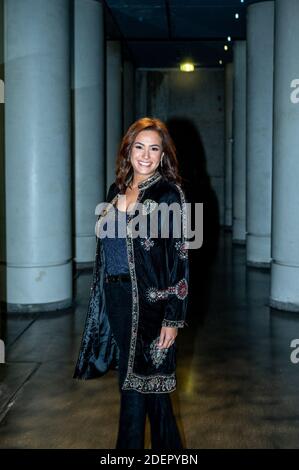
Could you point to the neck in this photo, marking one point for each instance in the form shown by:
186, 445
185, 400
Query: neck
139, 179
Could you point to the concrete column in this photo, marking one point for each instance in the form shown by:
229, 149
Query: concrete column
88, 118
129, 94
228, 143
239, 143
2, 165
260, 31
37, 155
284, 293
114, 118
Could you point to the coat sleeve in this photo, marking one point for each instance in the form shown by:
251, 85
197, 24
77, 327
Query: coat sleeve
177, 263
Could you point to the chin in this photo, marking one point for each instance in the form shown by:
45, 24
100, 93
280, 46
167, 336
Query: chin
145, 171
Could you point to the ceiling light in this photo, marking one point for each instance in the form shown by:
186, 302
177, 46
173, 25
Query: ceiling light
229, 38
187, 67
225, 47
236, 15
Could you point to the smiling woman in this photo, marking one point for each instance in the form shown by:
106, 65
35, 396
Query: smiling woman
139, 292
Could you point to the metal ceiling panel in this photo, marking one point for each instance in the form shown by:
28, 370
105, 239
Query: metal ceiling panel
165, 55
140, 19
207, 22
159, 33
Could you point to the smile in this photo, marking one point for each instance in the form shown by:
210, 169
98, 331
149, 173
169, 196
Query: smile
144, 163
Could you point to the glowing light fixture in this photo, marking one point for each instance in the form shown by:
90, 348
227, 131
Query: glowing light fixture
229, 38
236, 15
226, 47
187, 67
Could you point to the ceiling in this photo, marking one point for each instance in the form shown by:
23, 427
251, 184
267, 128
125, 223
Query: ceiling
162, 33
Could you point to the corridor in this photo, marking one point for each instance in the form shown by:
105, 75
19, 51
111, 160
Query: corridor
237, 387
191, 101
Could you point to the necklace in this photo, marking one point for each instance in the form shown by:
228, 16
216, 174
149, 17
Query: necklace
146, 180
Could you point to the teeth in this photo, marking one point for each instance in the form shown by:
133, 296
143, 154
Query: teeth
144, 164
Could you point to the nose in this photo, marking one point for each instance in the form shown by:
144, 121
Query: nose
146, 153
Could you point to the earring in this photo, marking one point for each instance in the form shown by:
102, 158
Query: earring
161, 161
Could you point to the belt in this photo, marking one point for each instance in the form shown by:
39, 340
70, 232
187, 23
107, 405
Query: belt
117, 277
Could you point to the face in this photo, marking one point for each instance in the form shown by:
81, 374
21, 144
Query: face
146, 153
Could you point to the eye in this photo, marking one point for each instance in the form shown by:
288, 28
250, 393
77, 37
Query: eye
138, 146
156, 149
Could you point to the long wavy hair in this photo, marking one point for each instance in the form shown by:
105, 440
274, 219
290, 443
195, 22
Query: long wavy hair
124, 170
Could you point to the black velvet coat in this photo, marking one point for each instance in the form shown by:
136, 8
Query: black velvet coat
159, 272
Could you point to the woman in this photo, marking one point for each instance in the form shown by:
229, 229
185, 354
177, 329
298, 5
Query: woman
139, 292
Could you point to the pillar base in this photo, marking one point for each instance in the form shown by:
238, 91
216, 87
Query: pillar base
239, 231
36, 308
284, 292
237, 241
31, 288
258, 264
84, 266
287, 306
258, 251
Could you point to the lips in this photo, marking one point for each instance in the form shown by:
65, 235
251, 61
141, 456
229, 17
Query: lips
145, 164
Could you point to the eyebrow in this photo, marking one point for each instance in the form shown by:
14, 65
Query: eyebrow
152, 145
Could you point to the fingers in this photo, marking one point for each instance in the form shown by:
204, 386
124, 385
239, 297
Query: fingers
162, 338
166, 339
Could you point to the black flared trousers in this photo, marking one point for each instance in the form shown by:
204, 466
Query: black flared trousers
134, 405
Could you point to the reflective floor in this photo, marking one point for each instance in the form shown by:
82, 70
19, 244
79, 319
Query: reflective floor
237, 387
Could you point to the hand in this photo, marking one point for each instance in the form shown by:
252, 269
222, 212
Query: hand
167, 337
